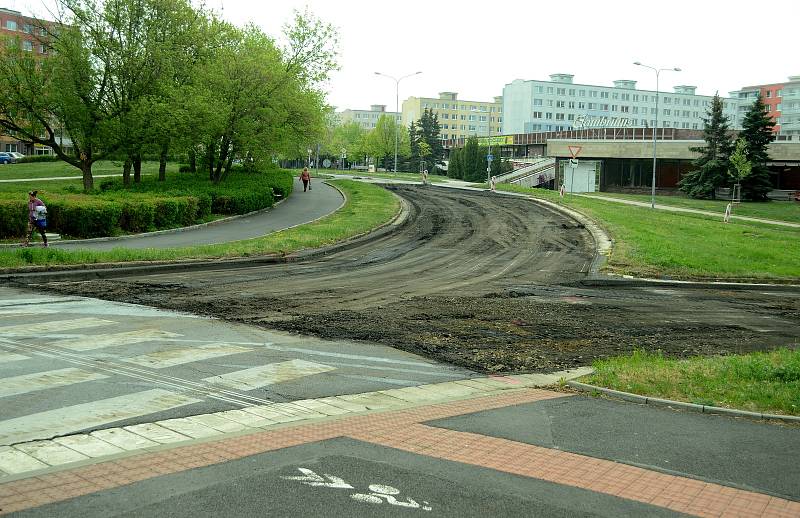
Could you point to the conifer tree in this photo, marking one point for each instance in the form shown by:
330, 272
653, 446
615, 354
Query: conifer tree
757, 132
712, 166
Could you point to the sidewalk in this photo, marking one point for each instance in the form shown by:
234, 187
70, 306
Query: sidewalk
468, 448
670, 208
300, 208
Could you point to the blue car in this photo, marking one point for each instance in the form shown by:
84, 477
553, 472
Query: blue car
7, 158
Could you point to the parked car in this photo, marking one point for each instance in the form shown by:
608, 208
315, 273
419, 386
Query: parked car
7, 158
18, 156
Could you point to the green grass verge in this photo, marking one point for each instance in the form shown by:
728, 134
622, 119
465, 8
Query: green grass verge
367, 207
38, 170
777, 210
758, 382
686, 246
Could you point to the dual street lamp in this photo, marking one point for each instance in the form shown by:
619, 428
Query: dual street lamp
396, 107
655, 127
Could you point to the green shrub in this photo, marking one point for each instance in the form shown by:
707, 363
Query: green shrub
185, 168
84, 218
137, 216
13, 218
38, 158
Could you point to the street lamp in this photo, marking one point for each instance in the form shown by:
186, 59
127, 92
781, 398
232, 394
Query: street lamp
655, 127
396, 107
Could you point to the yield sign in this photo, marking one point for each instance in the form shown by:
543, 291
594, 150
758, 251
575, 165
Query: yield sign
312, 479
574, 150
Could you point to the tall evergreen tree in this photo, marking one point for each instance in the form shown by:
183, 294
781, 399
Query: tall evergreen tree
430, 131
474, 161
757, 132
414, 139
712, 165
455, 168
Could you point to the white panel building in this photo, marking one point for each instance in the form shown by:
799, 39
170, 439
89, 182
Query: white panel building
559, 104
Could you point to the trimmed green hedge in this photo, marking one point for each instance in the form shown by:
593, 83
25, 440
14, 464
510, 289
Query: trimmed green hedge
38, 158
148, 206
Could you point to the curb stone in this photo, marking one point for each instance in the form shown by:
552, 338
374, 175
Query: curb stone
704, 409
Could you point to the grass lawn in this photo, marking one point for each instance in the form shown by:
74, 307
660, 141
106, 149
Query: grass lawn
367, 207
59, 169
687, 246
758, 382
778, 210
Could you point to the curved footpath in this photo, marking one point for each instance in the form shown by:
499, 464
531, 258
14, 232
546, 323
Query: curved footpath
300, 208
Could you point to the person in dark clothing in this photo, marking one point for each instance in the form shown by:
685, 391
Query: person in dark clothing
305, 176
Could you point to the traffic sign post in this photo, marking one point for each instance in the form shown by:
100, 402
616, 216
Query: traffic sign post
489, 159
573, 163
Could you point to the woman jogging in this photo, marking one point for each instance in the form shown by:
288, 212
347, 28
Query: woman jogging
36, 218
306, 177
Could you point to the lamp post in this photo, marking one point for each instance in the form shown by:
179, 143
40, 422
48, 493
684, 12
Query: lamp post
655, 127
396, 107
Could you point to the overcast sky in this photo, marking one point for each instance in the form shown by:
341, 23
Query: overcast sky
475, 48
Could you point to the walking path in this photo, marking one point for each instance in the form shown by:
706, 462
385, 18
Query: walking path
300, 208
693, 211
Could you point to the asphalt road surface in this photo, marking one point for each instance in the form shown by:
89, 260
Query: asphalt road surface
481, 280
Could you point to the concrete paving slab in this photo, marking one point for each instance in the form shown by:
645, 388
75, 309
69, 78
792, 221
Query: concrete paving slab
157, 433
51, 453
218, 423
15, 461
88, 445
188, 427
123, 439
246, 418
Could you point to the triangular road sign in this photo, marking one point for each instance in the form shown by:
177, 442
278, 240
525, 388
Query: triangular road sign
574, 150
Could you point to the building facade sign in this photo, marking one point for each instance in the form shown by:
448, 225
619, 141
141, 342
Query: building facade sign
499, 140
586, 122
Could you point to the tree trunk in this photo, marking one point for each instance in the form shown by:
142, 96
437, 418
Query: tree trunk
137, 168
223, 157
126, 172
162, 162
211, 153
86, 169
193, 160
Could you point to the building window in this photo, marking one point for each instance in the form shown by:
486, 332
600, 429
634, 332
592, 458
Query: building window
592, 93
550, 103
604, 95
604, 107
667, 124
550, 89
582, 93
463, 117
570, 116
472, 117
561, 91
548, 115
581, 105
538, 89
559, 116
635, 109
615, 95
537, 115
592, 106
42, 49
613, 107
445, 116
686, 113
695, 126
472, 128
635, 97
666, 111
560, 104
667, 100
624, 109
482, 118
27, 28
537, 102
11, 25
27, 45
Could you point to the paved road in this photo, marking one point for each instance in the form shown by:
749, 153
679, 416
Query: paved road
69, 364
300, 208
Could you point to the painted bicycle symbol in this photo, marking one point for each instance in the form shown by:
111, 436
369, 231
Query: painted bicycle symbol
378, 492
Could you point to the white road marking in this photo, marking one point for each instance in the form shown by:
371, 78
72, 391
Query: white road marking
310, 478
71, 419
270, 374
45, 380
172, 357
92, 342
11, 357
36, 329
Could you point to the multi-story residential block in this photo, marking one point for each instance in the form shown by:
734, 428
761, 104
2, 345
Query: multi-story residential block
33, 36
783, 105
366, 118
457, 118
559, 104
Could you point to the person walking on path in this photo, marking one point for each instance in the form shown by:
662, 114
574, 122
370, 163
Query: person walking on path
36, 218
305, 176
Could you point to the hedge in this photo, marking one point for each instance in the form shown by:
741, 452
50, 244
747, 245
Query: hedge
38, 158
147, 206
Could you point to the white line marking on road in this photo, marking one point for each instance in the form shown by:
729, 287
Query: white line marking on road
46, 380
11, 357
310, 478
272, 373
92, 342
172, 357
37, 329
71, 419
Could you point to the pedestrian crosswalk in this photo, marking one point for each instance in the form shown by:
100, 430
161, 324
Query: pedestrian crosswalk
70, 365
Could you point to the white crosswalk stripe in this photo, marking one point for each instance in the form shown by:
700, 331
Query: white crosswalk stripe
36, 329
46, 380
257, 377
89, 415
92, 342
172, 357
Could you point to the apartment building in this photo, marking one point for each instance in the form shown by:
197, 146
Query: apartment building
560, 104
367, 119
782, 101
33, 34
457, 118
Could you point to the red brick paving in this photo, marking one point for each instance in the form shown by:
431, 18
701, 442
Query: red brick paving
403, 430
